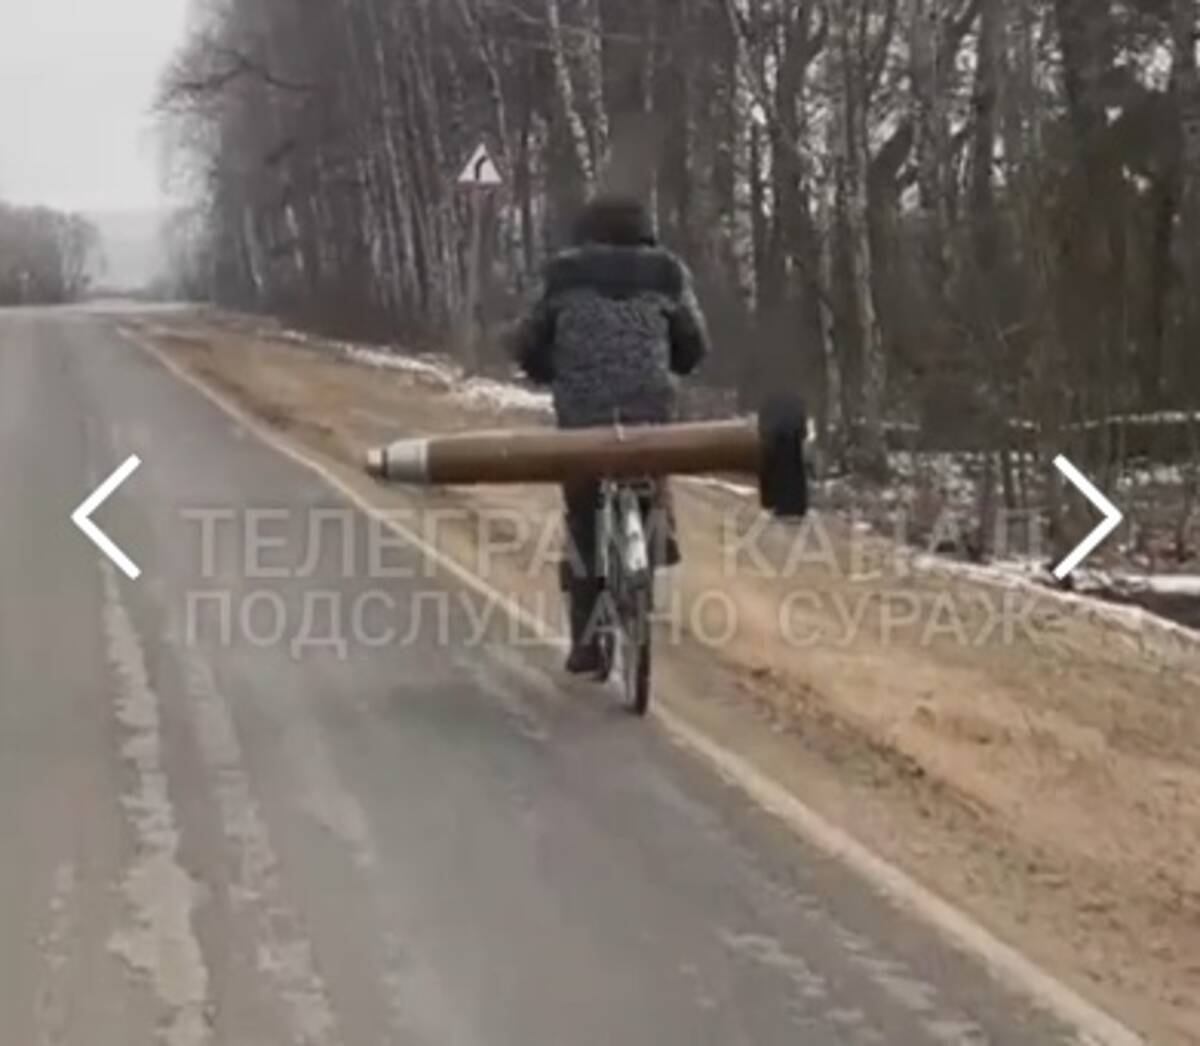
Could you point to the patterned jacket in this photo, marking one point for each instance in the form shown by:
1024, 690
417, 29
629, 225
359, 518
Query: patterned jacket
611, 329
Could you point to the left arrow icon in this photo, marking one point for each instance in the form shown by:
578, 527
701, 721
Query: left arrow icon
82, 518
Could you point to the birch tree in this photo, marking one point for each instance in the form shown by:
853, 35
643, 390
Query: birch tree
956, 213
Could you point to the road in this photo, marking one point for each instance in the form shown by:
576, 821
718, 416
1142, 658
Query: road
237, 838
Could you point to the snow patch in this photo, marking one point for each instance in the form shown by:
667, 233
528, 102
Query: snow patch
439, 370
1161, 584
500, 395
1024, 577
474, 391
1153, 476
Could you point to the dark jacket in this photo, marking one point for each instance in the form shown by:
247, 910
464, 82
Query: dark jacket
610, 329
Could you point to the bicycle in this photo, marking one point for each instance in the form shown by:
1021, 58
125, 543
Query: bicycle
626, 599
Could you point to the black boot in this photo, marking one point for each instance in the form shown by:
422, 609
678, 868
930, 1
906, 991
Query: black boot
663, 528
584, 658
671, 556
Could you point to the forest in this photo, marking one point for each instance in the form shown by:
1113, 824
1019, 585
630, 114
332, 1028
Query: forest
968, 224
44, 255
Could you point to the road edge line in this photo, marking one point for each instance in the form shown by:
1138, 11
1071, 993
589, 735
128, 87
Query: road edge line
1007, 966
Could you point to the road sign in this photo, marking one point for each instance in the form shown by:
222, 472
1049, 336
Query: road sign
479, 177
81, 517
481, 171
1112, 518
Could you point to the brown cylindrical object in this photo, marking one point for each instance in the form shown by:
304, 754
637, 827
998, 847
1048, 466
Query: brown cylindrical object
552, 456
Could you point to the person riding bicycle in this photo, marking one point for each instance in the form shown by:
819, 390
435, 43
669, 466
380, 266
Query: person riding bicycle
617, 319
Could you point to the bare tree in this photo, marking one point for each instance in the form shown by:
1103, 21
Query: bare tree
46, 257
977, 214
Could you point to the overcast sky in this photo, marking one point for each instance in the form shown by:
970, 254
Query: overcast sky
77, 78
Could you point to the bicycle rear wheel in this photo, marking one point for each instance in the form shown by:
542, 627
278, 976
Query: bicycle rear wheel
606, 627
635, 649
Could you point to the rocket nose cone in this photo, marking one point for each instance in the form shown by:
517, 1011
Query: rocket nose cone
377, 461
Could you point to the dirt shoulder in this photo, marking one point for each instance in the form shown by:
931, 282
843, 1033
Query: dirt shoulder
1035, 763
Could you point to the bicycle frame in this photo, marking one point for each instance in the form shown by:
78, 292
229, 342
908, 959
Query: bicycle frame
626, 577
622, 529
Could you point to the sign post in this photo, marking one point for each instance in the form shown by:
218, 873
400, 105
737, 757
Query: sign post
479, 179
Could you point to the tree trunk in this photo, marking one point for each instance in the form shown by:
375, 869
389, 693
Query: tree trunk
565, 88
871, 450
1186, 88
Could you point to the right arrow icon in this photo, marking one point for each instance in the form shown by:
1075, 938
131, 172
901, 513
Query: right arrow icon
1112, 518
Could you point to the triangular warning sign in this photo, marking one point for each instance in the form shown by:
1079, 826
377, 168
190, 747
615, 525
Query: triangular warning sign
481, 170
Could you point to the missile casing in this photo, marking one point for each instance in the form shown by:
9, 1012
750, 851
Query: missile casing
555, 455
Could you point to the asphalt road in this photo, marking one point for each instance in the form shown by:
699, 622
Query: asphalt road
225, 836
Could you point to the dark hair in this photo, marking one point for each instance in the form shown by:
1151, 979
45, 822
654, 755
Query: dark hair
618, 221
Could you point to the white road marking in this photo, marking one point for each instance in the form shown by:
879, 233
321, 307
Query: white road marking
1007, 966
160, 945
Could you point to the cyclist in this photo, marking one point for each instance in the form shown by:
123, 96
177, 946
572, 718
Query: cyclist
615, 322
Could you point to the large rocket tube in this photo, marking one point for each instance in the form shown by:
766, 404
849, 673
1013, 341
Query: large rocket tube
770, 447
551, 456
